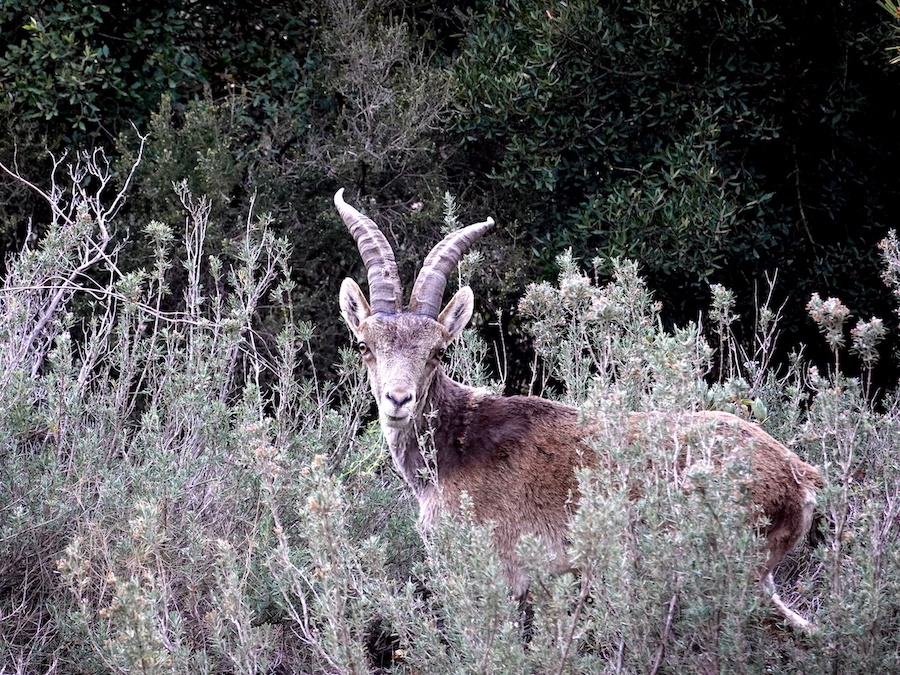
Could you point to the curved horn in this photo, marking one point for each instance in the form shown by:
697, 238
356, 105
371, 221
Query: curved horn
385, 292
428, 291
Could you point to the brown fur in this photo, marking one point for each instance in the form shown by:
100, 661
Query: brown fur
516, 456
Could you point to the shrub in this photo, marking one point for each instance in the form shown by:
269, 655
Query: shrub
147, 460
180, 498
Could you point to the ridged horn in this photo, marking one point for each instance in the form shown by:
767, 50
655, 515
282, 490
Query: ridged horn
385, 291
428, 291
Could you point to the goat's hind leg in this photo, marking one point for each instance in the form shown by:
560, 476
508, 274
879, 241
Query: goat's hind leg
780, 541
789, 615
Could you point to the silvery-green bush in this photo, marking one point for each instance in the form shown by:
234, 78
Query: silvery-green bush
176, 499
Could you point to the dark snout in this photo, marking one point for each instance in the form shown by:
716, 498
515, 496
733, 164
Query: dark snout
397, 407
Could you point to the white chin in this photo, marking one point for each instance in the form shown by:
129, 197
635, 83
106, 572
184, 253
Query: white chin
394, 422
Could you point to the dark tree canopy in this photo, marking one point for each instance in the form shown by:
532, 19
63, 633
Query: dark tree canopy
711, 142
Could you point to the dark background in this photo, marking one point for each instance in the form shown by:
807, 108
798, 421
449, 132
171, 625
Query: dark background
713, 142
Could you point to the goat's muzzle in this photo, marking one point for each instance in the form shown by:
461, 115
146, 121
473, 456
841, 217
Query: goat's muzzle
397, 407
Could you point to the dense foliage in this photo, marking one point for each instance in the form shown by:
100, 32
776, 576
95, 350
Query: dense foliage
708, 141
188, 482
711, 142
178, 499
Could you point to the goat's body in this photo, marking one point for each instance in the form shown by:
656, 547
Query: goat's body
516, 457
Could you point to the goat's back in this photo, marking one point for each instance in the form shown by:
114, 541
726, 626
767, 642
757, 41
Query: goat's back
516, 458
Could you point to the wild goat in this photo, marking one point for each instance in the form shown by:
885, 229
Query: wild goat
516, 456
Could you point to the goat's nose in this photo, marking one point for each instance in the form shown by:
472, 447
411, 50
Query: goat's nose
399, 397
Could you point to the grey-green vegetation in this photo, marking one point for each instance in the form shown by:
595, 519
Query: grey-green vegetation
190, 478
179, 497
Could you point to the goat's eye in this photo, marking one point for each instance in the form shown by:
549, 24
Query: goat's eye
439, 354
362, 347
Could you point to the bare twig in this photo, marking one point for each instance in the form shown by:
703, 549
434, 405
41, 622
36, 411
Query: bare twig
667, 630
570, 637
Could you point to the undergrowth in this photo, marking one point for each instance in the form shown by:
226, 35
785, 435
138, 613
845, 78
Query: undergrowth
177, 498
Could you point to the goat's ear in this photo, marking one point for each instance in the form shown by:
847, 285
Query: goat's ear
458, 312
354, 306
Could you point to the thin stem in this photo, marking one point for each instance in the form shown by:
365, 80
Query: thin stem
576, 615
